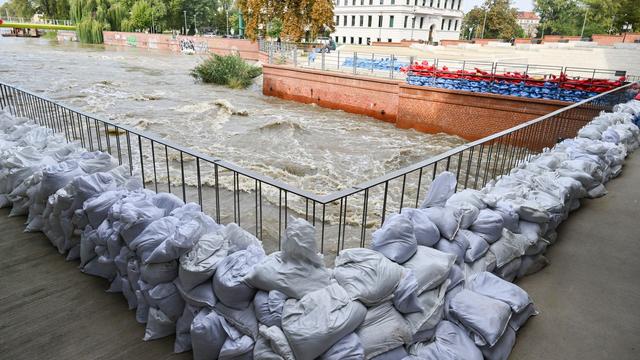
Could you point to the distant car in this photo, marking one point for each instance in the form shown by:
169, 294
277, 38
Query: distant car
328, 44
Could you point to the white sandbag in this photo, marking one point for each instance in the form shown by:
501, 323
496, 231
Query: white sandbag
532, 264
165, 297
268, 307
432, 303
532, 231
347, 348
441, 189
490, 285
450, 343
502, 349
509, 270
468, 215
319, 320
468, 196
383, 329
237, 347
168, 202
519, 319
155, 274
228, 280
295, 271
457, 247
489, 225
275, 345
539, 247
207, 335
485, 317
199, 296
509, 247
430, 267
426, 232
152, 235
405, 297
101, 266
128, 292
477, 246
395, 239
142, 310
367, 275
398, 353
510, 217
158, 325
239, 239
244, 320
199, 264
183, 329
447, 219
456, 277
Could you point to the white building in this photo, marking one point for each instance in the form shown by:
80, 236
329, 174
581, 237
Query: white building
529, 22
366, 21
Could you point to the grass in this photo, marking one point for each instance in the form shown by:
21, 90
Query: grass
50, 35
228, 70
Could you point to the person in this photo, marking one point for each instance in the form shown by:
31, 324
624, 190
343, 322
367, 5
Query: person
312, 54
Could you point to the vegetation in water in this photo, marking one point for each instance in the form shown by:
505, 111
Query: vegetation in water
50, 34
229, 70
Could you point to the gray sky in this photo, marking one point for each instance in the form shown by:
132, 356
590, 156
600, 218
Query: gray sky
524, 5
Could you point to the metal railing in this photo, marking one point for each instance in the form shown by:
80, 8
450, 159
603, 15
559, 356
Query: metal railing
261, 205
21, 20
389, 65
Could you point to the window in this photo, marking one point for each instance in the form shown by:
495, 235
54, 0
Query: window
446, 2
370, 2
344, 18
408, 2
381, 2
359, 41
353, 20
393, 2
389, 40
361, 2
337, 20
337, 40
352, 39
368, 41
459, 1
379, 39
456, 26
361, 20
449, 27
346, 2
442, 25
438, 5
453, 2
391, 21
344, 39
406, 20
424, 2
369, 20
379, 20
413, 22
353, 2
421, 22
431, 3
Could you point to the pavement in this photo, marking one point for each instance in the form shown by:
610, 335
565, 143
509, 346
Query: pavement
587, 297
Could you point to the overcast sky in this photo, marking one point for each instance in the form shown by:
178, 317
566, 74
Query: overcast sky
524, 5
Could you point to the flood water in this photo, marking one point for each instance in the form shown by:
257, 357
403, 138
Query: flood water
316, 149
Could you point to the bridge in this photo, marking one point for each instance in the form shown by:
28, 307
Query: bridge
44, 24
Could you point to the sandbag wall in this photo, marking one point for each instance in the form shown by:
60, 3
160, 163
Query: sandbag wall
435, 283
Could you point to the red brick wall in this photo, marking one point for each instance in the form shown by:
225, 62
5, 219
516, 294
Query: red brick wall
485, 41
523, 41
247, 49
469, 115
392, 44
556, 38
454, 42
603, 39
432, 110
377, 98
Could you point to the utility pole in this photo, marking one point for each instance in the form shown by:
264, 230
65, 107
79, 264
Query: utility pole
584, 22
185, 22
484, 22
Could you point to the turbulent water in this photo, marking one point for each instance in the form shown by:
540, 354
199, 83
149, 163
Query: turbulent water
316, 149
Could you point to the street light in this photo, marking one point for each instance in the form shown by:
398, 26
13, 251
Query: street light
195, 25
185, 21
584, 22
484, 23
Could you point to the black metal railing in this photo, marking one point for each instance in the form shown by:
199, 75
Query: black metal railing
261, 205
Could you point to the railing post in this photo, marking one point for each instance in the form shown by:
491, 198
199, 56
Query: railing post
295, 57
355, 60
392, 64
323, 57
270, 55
338, 59
373, 58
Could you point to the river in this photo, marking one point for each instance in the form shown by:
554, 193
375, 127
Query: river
317, 149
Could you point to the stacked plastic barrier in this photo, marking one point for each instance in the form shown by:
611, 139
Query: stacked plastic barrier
511, 83
434, 284
383, 64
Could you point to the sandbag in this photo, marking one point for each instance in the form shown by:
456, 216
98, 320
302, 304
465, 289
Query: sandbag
239, 239
489, 225
395, 239
405, 297
272, 344
158, 325
165, 297
199, 264
447, 219
183, 329
155, 274
450, 343
477, 246
319, 320
485, 317
509, 247
207, 335
519, 319
531, 265
441, 189
510, 270
200, 296
268, 307
228, 280
502, 349
397, 353
431, 302
244, 320
367, 275
488, 284
426, 232
457, 247
430, 267
510, 217
468, 196
347, 348
383, 329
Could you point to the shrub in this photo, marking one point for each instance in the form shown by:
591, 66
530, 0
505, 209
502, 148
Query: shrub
229, 70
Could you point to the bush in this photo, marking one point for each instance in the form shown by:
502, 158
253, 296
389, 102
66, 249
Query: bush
229, 70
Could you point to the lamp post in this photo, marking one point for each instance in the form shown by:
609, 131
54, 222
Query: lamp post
413, 21
152, 21
584, 22
195, 25
484, 22
185, 22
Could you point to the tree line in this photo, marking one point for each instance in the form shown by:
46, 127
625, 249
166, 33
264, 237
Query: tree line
496, 19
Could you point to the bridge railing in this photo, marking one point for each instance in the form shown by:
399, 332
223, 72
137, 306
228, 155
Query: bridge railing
21, 20
262, 205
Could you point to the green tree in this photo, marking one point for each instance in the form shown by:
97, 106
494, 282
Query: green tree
17, 8
500, 21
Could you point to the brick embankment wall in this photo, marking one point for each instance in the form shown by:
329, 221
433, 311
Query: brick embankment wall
432, 110
604, 39
248, 50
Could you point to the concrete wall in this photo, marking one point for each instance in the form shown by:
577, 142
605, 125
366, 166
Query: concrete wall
247, 49
432, 110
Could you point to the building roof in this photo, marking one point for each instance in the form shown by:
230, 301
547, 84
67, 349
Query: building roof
527, 15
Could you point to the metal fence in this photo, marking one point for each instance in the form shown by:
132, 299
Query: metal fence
261, 205
390, 65
22, 20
